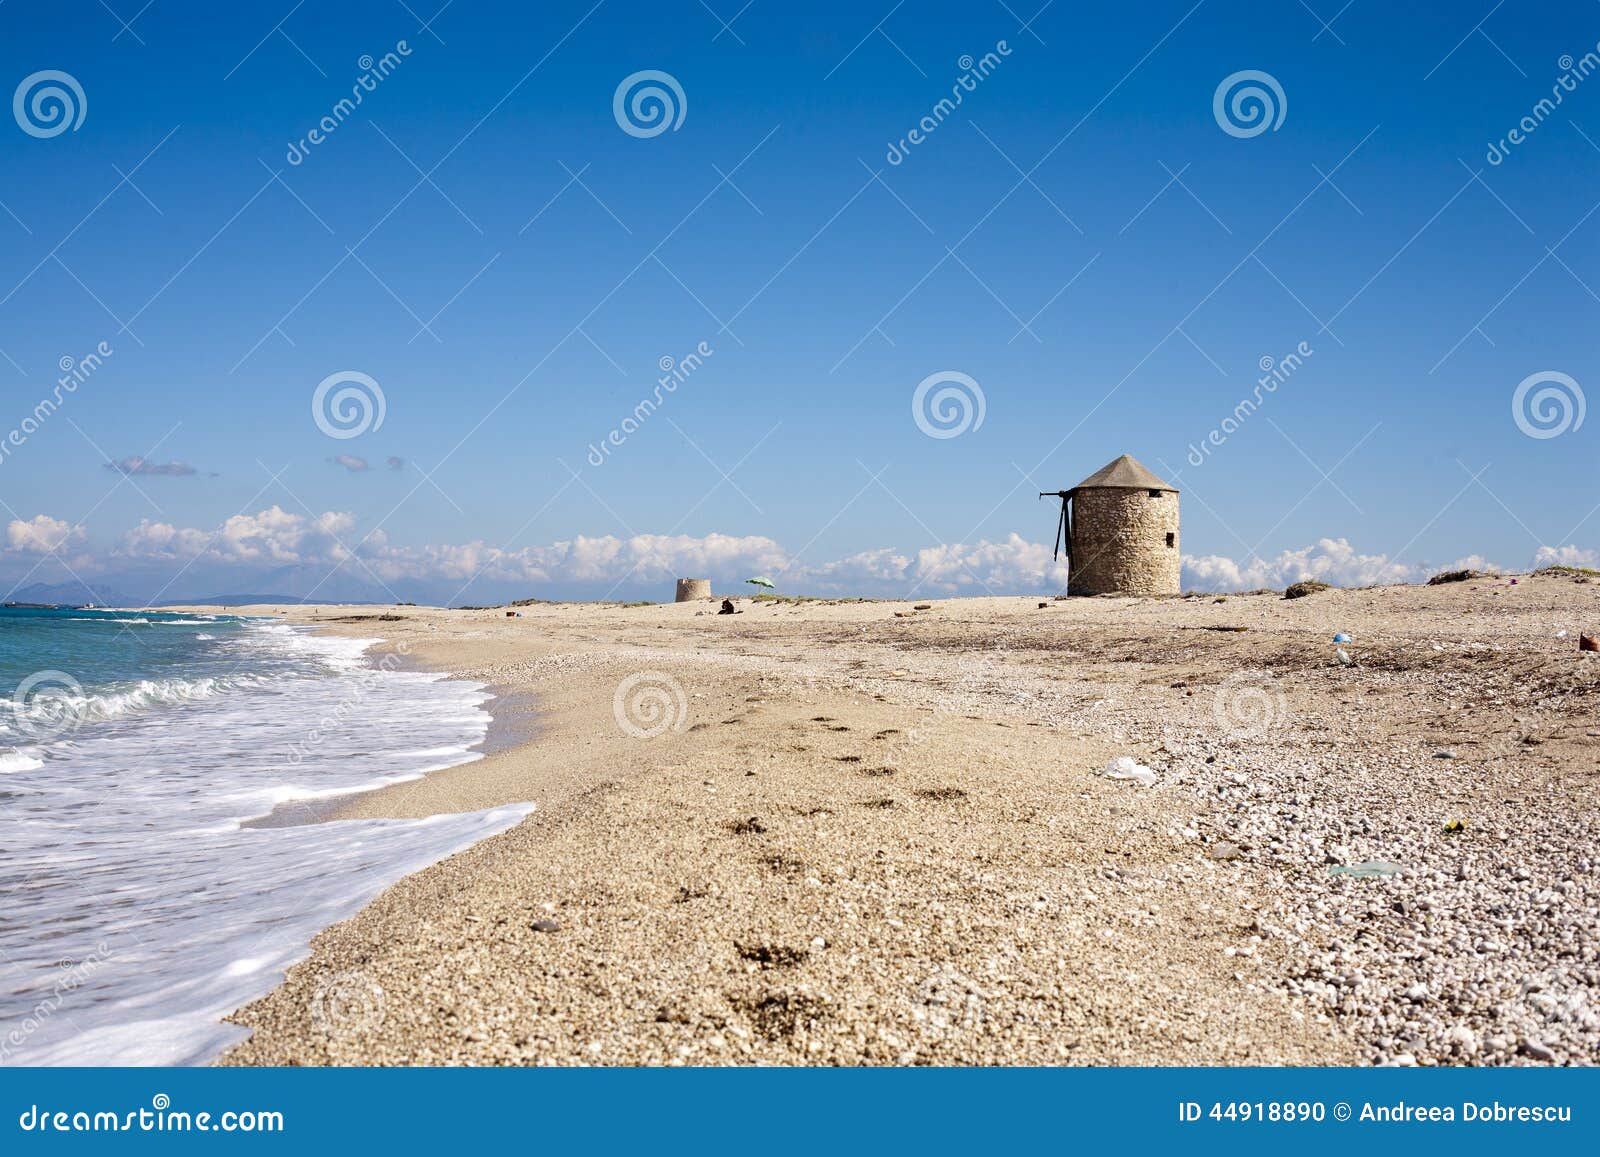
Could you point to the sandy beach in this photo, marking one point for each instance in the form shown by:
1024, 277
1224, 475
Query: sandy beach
865, 833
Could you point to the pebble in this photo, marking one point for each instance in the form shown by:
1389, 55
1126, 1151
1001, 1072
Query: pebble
1481, 951
545, 926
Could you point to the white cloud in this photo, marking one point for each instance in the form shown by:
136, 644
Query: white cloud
1567, 556
1330, 560
948, 568
273, 538
605, 560
41, 534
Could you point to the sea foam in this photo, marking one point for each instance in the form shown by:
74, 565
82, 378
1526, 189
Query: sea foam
142, 908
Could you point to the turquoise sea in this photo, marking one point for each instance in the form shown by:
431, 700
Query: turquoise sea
140, 905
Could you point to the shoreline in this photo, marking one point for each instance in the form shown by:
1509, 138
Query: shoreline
880, 837
151, 811
513, 723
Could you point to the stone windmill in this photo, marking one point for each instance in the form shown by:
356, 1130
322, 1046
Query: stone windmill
1119, 530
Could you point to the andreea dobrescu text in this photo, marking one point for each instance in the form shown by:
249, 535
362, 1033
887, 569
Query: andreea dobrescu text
1492, 1113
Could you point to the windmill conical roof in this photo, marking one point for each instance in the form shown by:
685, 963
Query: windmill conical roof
1124, 473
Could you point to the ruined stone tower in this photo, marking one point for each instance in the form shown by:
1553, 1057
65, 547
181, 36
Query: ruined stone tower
1122, 533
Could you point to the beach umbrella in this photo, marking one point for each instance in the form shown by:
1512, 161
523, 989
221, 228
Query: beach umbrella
761, 582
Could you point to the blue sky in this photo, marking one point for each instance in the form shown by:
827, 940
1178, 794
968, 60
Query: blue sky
1080, 237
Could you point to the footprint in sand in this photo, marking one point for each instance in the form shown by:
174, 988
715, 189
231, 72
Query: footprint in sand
772, 955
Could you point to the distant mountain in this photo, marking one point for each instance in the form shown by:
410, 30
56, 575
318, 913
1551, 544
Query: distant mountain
73, 594
349, 583
264, 600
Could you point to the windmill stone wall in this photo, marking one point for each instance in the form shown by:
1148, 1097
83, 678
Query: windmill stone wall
1124, 533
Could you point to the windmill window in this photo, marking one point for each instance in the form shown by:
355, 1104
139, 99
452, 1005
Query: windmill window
1155, 494
1172, 539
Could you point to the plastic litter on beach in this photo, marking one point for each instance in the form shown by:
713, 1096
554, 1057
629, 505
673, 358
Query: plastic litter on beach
1344, 657
1126, 767
1341, 637
1369, 868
